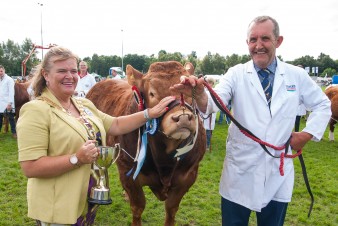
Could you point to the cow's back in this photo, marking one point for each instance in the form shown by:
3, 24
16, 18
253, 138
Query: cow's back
115, 97
111, 96
332, 93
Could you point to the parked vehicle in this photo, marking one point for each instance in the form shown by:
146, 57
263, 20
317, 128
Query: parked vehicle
118, 70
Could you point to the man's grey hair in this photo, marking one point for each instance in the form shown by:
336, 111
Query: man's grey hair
261, 19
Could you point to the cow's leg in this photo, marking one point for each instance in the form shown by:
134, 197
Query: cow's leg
172, 205
331, 132
4, 121
176, 194
137, 200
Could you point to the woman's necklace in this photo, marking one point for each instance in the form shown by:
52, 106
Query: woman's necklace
68, 109
83, 117
65, 110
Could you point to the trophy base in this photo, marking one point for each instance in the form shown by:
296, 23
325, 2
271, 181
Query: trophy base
100, 202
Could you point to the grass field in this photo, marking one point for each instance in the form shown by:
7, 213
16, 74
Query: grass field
201, 205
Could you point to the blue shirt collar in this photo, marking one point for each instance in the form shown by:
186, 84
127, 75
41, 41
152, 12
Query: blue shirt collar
272, 67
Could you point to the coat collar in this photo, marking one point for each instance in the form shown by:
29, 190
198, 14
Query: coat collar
277, 84
58, 110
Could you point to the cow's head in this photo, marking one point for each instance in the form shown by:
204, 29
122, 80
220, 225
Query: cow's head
180, 121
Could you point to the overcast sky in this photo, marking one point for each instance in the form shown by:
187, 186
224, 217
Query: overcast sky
86, 27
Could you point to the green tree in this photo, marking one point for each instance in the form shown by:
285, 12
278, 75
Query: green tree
306, 61
206, 64
11, 58
12, 55
138, 62
33, 60
329, 72
325, 61
231, 61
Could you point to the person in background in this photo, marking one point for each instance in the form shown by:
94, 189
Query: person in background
221, 117
251, 180
86, 81
7, 100
57, 139
115, 75
209, 120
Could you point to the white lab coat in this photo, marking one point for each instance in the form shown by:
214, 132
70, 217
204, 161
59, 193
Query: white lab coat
251, 177
209, 122
6, 92
85, 84
301, 110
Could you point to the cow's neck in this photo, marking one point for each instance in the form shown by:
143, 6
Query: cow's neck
163, 151
167, 145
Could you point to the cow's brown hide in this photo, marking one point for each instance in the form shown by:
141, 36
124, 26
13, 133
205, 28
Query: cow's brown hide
332, 93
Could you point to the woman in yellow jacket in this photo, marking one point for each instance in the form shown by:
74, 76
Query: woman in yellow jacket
56, 140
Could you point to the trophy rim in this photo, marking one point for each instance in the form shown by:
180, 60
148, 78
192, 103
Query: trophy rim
114, 156
100, 202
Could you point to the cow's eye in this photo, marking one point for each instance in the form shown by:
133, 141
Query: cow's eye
151, 94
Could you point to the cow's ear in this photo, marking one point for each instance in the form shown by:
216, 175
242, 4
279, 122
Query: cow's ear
134, 76
190, 68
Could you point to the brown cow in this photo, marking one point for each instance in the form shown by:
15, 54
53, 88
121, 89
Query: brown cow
168, 177
332, 93
21, 97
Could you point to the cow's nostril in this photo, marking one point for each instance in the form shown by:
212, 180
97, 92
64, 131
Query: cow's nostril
190, 117
176, 118
184, 117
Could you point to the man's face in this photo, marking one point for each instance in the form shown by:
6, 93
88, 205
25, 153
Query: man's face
83, 67
262, 43
2, 72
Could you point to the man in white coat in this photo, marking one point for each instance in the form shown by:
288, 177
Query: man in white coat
251, 180
7, 100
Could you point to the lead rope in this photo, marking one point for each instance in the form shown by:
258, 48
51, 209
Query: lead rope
264, 144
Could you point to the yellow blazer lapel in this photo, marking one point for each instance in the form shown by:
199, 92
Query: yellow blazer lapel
92, 114
57, 110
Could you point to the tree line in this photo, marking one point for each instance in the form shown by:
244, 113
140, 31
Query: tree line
12, 54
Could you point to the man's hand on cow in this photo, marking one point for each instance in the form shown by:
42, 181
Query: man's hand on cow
186, 87
187, 84
161, 107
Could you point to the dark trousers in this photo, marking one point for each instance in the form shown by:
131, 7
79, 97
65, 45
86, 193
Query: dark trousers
11, 119
236, 215
209, 135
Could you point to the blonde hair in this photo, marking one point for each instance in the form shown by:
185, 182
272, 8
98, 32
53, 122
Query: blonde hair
55, 54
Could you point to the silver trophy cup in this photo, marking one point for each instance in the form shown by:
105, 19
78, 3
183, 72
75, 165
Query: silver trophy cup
100, 193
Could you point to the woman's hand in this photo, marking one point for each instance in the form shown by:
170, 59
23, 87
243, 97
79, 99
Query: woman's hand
159, 109
88, 152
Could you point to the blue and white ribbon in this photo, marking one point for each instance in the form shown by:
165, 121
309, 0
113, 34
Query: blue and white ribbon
151, 127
